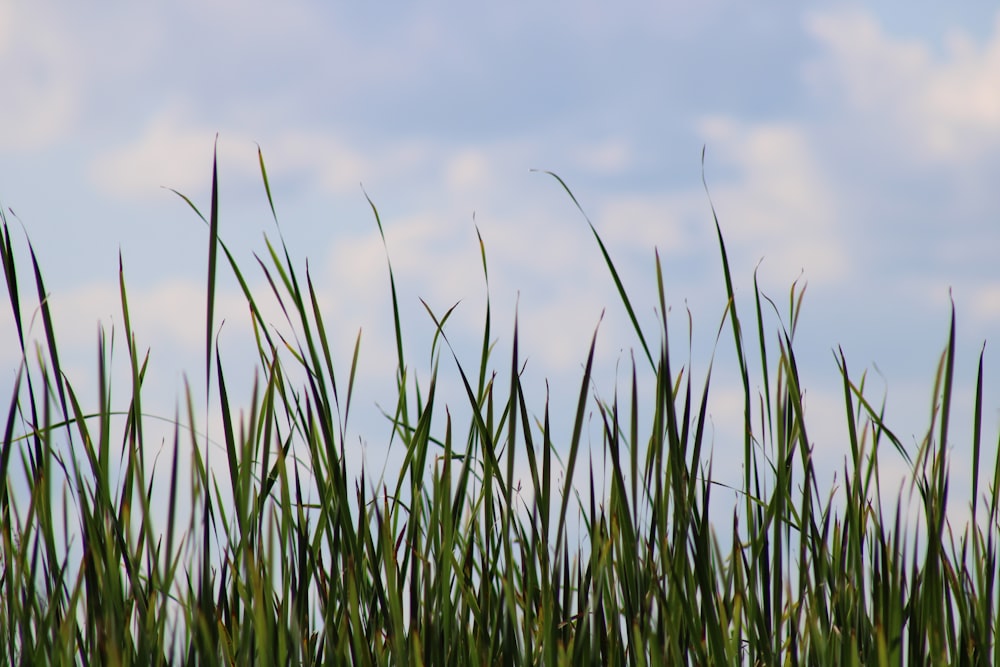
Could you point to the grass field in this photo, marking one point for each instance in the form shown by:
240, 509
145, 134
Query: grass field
286, 559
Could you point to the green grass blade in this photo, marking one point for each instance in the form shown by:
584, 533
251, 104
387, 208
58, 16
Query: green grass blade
626, 301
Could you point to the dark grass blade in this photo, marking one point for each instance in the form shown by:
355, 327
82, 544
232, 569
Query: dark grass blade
392, 287
737, 334
213, 247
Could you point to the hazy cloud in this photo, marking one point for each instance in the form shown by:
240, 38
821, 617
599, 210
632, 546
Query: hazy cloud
41, 78
936, 106
780, 201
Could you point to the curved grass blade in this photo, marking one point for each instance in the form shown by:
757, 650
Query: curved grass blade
611, 267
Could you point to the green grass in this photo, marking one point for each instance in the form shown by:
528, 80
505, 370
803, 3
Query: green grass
285, 558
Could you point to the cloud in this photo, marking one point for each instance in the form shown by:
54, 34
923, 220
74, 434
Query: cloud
671, 222
467, 170
171, 311
41, 79
325, 159
610, 156
977, 302
172, 145
168, 153
540, 256
940, 108
985, 302
780, 202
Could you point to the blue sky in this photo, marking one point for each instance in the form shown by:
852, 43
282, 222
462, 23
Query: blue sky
853, 149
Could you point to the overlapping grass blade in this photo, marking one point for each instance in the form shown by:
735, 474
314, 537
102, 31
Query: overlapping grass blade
280, 558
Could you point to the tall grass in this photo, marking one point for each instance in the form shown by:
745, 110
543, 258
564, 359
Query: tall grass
284, 558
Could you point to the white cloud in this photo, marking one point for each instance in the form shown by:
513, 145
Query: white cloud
871, 68
781, 204
332, 163
173, 145
171, 152
609, 156
549, 265
170, 312
468, 170
41, 79
673, 223
985, 302
935, 107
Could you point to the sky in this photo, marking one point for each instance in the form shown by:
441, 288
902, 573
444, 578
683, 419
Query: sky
852, 149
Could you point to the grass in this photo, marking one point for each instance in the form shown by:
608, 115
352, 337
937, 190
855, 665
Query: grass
283, 558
